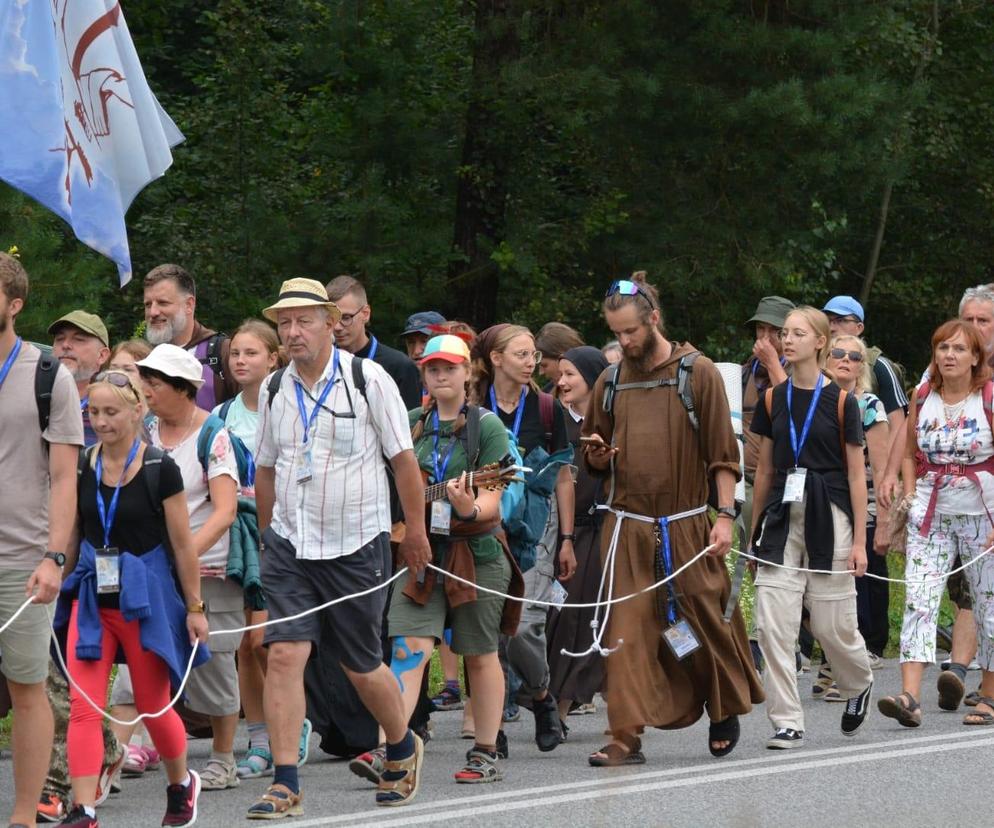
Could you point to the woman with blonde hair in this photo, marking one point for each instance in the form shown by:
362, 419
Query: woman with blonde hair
811, 492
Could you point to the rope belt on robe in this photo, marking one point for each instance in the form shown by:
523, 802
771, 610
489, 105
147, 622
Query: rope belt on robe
607, 573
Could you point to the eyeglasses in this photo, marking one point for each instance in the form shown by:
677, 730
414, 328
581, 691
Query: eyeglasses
832, 318
626, 287
840, 353
116, 378
528, 356
348, 318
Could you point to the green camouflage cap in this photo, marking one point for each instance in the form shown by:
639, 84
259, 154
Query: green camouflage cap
88, 323
772, 310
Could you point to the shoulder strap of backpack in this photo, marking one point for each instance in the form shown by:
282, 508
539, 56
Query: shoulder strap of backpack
152, 467
546, 409
473, 416
685, 386
45, 372
988, 397
359, 376
213, 356
225, 408
208, 431
85, 456
273, 387
768, 402
610, 388
842, 427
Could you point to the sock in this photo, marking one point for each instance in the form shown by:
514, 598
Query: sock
287, 775
258, 735
403, 748
91, 812
959, 670
452, 684
227, 758
490, 750
185, 782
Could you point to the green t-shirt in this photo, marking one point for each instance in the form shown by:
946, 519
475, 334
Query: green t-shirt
493, 449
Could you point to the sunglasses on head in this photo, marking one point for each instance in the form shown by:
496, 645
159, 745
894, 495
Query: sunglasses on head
626, 287
118, 379
839, 353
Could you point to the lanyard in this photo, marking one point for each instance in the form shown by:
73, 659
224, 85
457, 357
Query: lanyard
302, 407
795, 444
756, 364
107, 515
10, 360
517, 414
440, 468
666, 557
373, 347
84, 402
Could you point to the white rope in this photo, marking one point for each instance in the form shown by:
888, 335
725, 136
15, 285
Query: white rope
20, 609
923, 580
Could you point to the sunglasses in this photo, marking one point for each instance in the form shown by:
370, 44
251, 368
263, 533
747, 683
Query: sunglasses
839, 353
626, 287
118, 379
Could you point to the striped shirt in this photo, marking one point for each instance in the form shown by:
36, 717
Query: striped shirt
346, 503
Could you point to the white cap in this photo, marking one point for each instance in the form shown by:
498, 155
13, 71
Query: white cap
176, 362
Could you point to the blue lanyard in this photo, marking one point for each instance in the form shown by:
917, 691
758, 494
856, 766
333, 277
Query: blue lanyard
308, 421
373, 347
795, 444
666, 557
440, 469
756, 364
84, 402
10, 360
517, 415
107, 515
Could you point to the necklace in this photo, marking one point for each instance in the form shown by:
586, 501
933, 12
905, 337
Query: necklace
187, 433
953, 411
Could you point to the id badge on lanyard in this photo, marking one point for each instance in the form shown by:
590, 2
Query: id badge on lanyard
108, 570
793, 489
304, 471
441, 517
681, 639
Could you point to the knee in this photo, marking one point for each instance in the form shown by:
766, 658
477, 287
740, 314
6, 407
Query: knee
286, 659
28, 697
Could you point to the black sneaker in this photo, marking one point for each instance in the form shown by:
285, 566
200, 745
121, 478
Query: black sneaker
548, 733
785, 738
78, 818
565, 730
855, 713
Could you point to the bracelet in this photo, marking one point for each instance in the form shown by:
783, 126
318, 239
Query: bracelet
567, 536
472, 517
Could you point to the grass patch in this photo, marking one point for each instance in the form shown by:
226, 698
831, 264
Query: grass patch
5, 723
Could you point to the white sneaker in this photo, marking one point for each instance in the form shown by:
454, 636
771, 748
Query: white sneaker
876, 662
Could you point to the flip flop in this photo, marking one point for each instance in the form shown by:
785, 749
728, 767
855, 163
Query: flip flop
613, 755
727, 730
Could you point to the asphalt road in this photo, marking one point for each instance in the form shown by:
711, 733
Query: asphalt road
886, 776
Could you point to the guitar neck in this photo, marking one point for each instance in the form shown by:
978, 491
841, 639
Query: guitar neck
436, 491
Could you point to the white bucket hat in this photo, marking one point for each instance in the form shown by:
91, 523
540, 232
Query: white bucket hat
176, 362
302, 293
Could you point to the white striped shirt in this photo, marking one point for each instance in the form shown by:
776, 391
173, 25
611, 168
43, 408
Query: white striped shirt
346, 504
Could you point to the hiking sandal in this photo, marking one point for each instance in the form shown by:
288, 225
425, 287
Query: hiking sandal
613, 755
400, 779
277, 802
480, 767
951, 690
369, 765
727, 730
908, 713
972, 699
981, 717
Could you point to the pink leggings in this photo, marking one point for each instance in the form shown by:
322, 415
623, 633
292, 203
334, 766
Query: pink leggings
150, 678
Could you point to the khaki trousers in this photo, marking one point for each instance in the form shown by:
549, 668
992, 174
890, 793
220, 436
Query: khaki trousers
831, 601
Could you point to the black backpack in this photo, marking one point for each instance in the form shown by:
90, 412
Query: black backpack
273, 386
151, 465
45, 371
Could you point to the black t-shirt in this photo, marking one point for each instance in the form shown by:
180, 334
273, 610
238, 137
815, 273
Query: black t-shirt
533, 430
138, 526
400, 367
822, 451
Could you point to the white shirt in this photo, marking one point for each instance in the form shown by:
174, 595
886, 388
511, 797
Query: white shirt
346, 503
220, 461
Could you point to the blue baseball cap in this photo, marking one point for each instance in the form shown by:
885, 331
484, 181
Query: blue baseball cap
421, 323
844, 306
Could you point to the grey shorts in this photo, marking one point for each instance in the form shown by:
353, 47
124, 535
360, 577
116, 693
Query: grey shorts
24, 644
293, 586
213, 686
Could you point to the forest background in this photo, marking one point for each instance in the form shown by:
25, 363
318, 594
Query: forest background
504, 160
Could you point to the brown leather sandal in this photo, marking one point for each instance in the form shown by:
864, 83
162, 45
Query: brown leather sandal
401, 779
613, 754
981, 717
903, 707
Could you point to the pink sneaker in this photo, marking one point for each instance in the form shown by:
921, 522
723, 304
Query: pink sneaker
152, 758
136, 761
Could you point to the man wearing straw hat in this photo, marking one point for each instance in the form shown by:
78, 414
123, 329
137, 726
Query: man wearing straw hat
322, 496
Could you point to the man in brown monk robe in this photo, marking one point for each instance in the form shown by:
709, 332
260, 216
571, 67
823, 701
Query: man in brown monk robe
660, 439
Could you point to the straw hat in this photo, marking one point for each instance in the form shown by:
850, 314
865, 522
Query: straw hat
302, 293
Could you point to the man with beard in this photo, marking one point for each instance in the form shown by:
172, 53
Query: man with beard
170, 306
657, 428
80, 342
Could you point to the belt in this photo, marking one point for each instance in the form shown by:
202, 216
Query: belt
967, 470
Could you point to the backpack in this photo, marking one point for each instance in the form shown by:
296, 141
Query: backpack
683, 382
212, 357
358, 380
243, 457
874, 354
45, 372
921, 394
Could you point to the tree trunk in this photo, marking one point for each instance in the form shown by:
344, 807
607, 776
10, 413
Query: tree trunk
481, 196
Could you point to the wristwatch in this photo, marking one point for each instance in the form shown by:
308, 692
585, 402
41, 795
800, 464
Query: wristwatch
472, 516
196, 606
567, 536
58, 557
727, 511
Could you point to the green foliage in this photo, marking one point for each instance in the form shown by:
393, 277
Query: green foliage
507, 159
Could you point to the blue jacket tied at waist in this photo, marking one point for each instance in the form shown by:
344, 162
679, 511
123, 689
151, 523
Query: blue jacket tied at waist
148, 595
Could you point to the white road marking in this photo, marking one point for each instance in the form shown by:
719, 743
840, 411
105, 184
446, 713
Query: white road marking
627, 782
